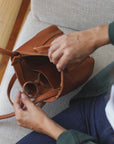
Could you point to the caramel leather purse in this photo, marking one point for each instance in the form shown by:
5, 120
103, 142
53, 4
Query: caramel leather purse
39, 78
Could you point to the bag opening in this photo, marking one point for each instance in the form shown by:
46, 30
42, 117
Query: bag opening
42, 73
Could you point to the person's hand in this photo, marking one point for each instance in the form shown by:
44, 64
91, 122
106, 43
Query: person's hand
75, 47
27, 114
30, 116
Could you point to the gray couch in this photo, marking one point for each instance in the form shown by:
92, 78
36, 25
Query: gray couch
69, 16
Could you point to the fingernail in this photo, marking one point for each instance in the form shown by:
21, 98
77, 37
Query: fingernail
59, 70
23, 96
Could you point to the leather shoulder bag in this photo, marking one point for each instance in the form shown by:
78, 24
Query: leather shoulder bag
39, 78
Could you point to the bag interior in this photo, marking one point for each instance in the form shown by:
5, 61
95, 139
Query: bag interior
42, 72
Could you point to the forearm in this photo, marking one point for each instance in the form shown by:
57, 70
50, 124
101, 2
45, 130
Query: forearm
103, 35
63, 136
50, 128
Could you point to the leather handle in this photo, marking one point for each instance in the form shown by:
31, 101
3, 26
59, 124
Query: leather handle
7, 52
47, 95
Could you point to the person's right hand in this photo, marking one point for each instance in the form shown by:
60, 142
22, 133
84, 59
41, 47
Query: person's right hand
75, 47
33, 117
27, 114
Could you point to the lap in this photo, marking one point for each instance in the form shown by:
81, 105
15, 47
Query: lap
70, 118
84, 116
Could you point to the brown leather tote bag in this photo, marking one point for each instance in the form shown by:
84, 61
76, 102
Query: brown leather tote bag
39, 78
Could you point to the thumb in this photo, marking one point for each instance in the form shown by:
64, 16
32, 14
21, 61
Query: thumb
25, 100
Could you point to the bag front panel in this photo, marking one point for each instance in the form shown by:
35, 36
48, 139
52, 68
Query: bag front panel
77, 75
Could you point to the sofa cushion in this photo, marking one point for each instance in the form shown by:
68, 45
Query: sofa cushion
75, 14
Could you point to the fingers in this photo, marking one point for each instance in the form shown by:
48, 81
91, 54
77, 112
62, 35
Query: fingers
56, 56
55, 52
63, 61
57, 39
26, 101
52, 49
62, 50
55, 45
17, 105
59, 58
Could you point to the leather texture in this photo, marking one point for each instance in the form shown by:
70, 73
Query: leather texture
39, 78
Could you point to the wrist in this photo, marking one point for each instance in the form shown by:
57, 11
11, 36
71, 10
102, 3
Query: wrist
101, 36
53, 129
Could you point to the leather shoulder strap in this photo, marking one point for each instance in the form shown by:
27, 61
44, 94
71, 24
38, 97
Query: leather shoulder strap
13, 79
8, 93
7, 52
7, 115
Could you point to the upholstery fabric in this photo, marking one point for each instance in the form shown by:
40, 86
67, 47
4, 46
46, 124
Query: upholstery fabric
75, 14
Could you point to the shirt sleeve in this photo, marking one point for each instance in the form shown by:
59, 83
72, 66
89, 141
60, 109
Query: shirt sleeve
75, 137
111, 32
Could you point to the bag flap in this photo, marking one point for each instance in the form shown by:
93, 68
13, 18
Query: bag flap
44, 37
